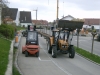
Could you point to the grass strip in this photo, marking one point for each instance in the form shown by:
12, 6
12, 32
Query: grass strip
4, 55
15, 71
88, 55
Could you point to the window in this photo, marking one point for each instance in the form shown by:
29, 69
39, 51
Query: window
32, 36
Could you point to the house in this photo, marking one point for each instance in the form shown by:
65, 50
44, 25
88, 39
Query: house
10, 15
69, 17
39, 23
25, 18
92, 22
8, 20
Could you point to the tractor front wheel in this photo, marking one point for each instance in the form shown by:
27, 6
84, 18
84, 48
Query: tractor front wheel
23, 52
26, 54
49, 47
72, 52
37, 54
54, 51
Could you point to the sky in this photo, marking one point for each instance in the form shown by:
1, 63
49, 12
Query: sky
47, 9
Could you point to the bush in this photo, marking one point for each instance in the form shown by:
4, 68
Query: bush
7, 30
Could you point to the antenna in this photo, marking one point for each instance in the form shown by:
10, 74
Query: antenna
63, 8
48, 2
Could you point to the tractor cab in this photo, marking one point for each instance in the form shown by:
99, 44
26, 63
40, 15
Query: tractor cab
32, 38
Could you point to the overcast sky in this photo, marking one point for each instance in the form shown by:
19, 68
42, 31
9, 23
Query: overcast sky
47, 8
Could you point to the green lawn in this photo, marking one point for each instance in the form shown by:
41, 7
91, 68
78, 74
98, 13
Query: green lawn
88, 55
20, 28
4, 52
2, 35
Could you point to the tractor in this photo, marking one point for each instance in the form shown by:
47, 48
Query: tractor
32, 44
61, 38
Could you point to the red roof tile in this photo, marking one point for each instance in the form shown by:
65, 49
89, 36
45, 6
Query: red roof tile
40, 22
91, 21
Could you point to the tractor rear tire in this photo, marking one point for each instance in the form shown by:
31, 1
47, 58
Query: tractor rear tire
72, 52
26, 54
54, 51
37, 54
49, 47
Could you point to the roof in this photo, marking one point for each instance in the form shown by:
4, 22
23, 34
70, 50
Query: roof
12, 12
25, 17
91, 21
40, 22
67, 16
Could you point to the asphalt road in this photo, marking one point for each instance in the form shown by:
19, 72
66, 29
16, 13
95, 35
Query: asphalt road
84, 43
62, 65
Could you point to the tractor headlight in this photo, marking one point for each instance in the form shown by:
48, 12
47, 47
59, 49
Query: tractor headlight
64, 46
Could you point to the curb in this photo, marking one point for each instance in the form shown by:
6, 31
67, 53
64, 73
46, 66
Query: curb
9, 66
88, 59
16, 60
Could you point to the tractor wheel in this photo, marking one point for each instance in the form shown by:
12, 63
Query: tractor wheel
26, 54
72, 52
23, 52
41, 35
37, 54
54, 52
49, 47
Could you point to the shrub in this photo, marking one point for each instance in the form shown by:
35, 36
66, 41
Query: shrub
7, 30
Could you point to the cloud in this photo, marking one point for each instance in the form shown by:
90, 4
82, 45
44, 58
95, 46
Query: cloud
87, 5
47, 8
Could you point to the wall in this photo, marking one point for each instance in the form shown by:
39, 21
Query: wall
95, 26
17, 19
25, 24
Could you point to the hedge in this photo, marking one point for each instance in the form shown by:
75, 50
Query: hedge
7, 30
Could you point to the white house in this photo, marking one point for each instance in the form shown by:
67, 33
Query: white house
69, 17
25, 18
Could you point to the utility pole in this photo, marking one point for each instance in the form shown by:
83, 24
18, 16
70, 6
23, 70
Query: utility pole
36, 16
57, 12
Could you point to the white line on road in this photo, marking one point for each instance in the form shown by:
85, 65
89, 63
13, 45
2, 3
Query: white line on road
55, 63
43, 60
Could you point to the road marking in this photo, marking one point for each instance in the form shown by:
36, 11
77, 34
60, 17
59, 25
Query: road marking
43, 60
55, 62
58, 65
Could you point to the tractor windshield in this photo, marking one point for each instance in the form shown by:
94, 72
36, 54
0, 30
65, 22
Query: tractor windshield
61, 36
32, 36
